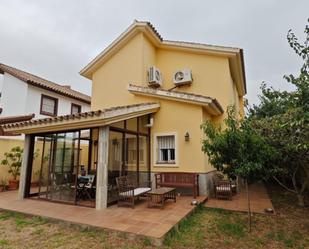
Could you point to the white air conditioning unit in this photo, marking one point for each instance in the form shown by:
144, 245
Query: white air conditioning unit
154, 77
183, 77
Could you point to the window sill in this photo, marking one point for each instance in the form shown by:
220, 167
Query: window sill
165, 165
48, 114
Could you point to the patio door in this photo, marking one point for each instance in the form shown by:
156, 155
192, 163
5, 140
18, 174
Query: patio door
128, 153
64, 167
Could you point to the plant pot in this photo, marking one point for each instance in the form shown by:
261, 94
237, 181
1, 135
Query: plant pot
2, 188
34, 184
13, 184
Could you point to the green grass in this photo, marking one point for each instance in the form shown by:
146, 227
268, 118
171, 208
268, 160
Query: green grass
4, 242
206, 228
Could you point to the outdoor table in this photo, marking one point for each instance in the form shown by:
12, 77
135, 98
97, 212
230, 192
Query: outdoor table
157, 197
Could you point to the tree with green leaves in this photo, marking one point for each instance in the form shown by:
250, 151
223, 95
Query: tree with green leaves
282, 119
13, 159
237, 149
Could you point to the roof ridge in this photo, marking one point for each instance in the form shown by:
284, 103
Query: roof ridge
39, 81
2, 64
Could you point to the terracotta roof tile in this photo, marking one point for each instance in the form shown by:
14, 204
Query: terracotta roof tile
14, 119
75, 116
45, 84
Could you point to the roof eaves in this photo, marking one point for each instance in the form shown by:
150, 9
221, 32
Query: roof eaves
81, 118
178, 96
15, 119
59, 91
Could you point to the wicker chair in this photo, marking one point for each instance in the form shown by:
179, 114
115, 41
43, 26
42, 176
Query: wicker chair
223, 189
128, 190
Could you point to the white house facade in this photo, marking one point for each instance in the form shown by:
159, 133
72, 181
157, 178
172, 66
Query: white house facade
26, 94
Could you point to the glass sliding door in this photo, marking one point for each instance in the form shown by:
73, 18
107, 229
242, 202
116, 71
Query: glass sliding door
64, 167
128, 153
131, 155
143, 170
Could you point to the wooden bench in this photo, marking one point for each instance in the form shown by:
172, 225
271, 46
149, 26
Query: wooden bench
178, 179
128, 190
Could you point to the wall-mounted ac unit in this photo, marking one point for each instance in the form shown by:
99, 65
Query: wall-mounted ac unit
183, 77
154, 77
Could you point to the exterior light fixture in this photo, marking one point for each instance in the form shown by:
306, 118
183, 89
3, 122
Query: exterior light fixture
187, 136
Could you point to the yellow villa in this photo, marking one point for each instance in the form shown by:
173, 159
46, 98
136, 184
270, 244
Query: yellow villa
149, 98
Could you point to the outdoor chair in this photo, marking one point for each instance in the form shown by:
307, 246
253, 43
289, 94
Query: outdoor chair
86, 189
223, 189
129, 190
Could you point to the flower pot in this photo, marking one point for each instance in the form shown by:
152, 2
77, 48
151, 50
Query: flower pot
13, 184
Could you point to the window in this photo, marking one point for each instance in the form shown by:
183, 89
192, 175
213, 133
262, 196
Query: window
49, 105
75, 108
166, 149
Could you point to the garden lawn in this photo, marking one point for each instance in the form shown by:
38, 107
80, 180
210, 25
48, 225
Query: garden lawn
207, 228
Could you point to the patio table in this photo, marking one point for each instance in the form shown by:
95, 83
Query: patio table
157, 197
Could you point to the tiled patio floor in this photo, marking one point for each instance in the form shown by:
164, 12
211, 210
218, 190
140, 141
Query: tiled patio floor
151, 222
259, 200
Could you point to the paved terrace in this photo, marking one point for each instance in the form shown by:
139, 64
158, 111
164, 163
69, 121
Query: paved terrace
143, 221
259, 200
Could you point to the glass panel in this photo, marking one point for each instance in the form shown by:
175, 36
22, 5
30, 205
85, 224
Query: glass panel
60, 158
76, 109
132, 124
48, 105
36, 165
143, 159
143, 121
44, 171
166, 149
131, 155
118, 125
115, 165
64, 169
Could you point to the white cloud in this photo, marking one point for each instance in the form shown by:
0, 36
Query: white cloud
55, 39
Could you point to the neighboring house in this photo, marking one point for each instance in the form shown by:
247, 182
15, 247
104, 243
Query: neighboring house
146, 114
24, 96
23, 93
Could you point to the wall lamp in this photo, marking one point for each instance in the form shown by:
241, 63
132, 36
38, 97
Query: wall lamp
187, 136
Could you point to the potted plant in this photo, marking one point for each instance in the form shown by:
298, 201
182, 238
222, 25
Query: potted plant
13, 160
3, 183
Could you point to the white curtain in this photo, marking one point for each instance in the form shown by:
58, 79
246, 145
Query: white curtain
165, 142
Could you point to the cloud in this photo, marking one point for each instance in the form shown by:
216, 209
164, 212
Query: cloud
55, 39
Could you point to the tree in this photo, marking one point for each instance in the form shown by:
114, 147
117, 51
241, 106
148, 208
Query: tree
237, 150
13, 160
282, 118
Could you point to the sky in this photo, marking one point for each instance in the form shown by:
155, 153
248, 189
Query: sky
55, 39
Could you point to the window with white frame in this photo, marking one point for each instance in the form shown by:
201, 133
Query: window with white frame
166, 149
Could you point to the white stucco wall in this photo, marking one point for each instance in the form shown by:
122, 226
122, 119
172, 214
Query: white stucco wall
19, 98
13, 96
33, 102
1, 82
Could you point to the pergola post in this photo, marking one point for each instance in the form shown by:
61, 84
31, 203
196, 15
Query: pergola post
24, 167
102, 168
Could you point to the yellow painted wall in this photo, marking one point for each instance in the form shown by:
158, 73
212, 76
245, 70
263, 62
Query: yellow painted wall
110, 81
211, 77
5, 146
